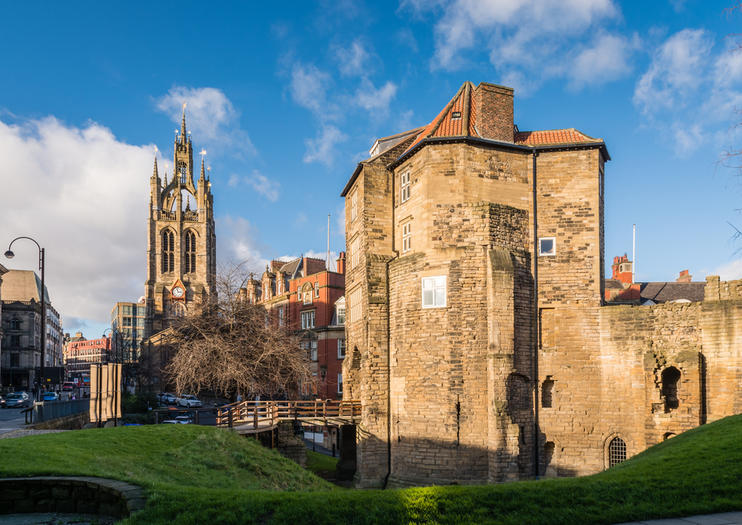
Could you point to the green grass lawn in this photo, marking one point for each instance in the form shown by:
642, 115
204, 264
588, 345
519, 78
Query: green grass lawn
321, 464
200, 475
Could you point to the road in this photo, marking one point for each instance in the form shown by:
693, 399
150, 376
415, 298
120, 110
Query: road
11, 419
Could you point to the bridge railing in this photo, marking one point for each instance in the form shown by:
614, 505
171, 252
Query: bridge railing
267, 413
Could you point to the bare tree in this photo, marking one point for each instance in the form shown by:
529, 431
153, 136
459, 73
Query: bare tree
231, 346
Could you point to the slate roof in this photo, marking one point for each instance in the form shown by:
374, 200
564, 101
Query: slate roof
663, 292
22, 285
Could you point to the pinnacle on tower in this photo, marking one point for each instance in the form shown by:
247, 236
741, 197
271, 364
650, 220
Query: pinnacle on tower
203, 173
183, 127
155, 174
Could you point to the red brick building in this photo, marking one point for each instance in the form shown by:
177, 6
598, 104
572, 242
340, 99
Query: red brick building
80, 353
305, 297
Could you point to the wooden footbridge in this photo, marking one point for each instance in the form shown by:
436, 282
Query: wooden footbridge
250, 417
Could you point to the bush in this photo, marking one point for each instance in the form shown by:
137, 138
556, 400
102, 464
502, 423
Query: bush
138, 403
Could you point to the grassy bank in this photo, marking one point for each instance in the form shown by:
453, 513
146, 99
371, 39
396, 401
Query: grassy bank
238, 482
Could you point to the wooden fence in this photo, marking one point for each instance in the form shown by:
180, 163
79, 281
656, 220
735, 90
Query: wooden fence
256, 416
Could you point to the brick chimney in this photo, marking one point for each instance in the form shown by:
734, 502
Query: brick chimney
684, 277
494, 109
341, 263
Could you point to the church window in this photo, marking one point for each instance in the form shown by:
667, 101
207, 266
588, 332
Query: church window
547, 246
616, 452
354, 206
405, 186
406, 237
168, 251
190, 252
670, 378
434, 291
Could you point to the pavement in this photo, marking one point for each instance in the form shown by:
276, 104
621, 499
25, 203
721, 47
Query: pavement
725, 518
48, 518
11, 419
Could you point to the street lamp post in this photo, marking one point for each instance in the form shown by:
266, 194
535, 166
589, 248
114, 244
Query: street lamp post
9, 254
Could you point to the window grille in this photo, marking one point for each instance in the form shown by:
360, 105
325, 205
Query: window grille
616, 452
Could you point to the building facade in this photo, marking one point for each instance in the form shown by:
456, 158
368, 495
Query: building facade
21, 328
128, 320
304, 297
478, 339
80, 353
181, 251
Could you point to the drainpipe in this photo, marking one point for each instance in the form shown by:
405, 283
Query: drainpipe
535, 320
389, 345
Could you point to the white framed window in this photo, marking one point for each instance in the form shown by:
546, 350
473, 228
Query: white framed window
354, 206
341, 315
434, 291
298, 294
313, 351
341, 348
404, 186
340, 383
547, 246
316, 289
406, 237
307, 320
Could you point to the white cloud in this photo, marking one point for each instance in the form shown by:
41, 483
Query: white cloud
237, 244
263, 185
606, 59
675, 71
729, 271
375, 100
322, 148
524, 37
210, 115
309, 88
82, 194
353, 60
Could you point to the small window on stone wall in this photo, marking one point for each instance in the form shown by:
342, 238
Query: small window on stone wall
670, 378
547, 246
546, 392
616, 452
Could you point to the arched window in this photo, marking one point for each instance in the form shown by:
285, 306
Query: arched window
190, 252
670, 377
616, 451
168, 251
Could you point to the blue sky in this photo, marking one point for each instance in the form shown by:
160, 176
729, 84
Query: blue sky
287, 99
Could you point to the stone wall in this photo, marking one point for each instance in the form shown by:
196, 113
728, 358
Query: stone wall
81, 495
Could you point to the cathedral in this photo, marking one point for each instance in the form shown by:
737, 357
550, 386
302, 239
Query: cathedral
181, 249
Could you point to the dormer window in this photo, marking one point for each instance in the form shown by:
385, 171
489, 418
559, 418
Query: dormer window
455, 114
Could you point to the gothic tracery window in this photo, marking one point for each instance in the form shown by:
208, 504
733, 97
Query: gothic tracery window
168, 251
190, 252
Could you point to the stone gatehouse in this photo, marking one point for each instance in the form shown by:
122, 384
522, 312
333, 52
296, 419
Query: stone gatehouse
477, 336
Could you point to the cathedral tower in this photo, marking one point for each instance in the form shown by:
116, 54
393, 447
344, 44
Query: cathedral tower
181, 249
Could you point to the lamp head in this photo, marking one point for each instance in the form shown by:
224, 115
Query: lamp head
9, 254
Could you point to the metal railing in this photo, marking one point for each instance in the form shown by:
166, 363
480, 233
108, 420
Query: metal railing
47, 410
266, 414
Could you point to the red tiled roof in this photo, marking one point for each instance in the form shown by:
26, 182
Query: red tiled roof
446, 125
553, 136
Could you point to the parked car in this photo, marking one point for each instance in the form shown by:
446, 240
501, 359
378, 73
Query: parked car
167, 398
189, 401
50, 396
185, 418
177, 421
17, 400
